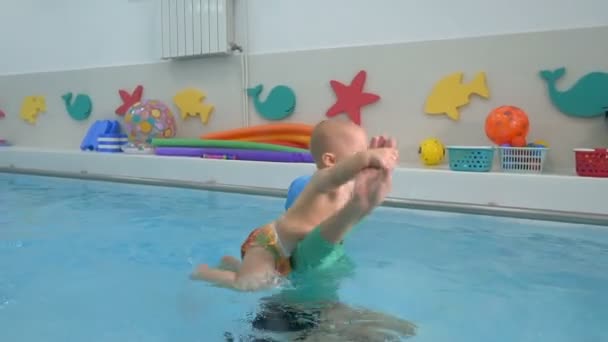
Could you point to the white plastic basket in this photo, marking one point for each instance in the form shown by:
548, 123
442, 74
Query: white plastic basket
522, 159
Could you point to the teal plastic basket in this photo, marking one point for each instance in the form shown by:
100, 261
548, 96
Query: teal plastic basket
471, 158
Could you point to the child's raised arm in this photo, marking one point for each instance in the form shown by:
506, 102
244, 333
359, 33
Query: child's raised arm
333, 177
344, 171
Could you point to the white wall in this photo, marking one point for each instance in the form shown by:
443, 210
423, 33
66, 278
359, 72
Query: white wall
42, 35
279, 25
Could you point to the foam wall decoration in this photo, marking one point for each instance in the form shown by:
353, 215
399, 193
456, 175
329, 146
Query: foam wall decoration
449, 94
279, 104
190, 102
31, 107
80, 107
351, 98
587, 98
128, 100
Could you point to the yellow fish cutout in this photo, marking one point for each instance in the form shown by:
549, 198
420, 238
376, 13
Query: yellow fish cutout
190, 103
31, 107
450, 93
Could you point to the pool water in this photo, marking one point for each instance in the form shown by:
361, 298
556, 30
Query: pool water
95, 261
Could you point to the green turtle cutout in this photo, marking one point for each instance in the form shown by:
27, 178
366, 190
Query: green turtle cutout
80, 108
587, 98
279, 104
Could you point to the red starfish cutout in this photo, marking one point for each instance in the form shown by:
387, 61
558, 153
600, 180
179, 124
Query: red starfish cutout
128, 100
350, 98
2, 115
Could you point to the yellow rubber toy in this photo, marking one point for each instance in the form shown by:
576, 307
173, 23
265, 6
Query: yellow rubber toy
431, 151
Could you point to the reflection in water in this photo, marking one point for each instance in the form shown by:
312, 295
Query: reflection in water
331, 321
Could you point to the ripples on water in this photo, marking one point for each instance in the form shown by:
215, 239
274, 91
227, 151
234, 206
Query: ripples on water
110, 262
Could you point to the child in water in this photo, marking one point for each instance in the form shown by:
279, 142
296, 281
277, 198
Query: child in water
352, 178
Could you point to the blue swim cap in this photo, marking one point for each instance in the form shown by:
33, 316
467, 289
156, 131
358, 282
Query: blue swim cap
295, 188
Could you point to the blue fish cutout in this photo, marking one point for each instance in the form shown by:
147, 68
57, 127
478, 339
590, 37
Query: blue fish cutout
279, 104
587, 98
80, 108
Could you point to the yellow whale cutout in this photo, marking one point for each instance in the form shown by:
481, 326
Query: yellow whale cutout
31, 107
450, 93
190, 103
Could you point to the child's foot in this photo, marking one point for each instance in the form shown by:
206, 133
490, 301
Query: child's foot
200, 271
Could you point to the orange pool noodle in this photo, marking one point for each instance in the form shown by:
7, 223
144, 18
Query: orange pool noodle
284, 143
262, 130
285, 137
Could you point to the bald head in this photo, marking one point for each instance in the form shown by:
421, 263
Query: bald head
334, 139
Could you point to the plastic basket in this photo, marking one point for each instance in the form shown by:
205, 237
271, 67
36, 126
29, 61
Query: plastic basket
522, 159
591, 162
471, 158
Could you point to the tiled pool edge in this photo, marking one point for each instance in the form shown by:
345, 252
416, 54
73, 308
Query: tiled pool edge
559, 198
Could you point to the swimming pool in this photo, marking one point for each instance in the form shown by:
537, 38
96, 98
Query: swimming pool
96, 261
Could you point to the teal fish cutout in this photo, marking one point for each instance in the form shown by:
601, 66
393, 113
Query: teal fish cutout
587, 98
80, 108
280, 102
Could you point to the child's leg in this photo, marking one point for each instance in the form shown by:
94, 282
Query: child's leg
230, 263
256, 272
214, 275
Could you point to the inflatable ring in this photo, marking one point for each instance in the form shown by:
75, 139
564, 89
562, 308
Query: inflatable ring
295, 188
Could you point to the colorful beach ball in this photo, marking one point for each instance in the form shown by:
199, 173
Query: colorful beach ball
149, 119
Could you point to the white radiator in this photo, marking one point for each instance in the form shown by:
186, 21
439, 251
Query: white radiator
191, 28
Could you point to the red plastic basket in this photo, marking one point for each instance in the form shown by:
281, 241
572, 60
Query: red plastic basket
591, 162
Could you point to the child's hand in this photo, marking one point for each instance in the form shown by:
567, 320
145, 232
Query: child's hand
382, 141
383, 152
384, 158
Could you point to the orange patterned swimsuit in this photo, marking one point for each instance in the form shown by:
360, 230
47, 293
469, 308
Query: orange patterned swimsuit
266, 237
